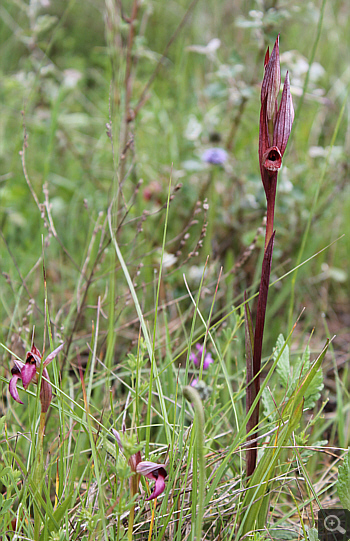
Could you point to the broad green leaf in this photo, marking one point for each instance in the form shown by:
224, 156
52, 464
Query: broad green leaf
4, 471
283, 533
306, 355
9, 476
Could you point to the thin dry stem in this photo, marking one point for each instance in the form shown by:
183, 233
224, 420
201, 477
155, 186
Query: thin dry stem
143, 97
128, 93
87, 259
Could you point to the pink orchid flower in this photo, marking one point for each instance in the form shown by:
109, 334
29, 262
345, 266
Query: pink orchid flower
155, 472
151, 470
28, 372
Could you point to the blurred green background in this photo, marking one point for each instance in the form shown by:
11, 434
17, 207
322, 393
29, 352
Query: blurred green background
62, 67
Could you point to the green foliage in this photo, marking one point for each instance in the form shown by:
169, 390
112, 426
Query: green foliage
289, 378
256, 500
343, 482
8, 475
312, 534
5, 504
130, 445
104, 243
283, 366
122, 469
59, 536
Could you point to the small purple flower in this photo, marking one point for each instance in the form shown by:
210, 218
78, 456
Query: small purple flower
215, 156
196, 358
28, 372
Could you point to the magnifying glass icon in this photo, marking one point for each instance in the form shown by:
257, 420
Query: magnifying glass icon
332, 524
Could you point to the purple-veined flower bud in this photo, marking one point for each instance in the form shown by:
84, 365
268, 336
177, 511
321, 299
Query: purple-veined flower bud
272, 81
275, 122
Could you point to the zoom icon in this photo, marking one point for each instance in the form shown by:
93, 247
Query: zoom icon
333, 525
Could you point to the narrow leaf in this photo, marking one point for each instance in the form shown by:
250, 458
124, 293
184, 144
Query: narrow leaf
258, 339
254, 498
56, 519
250, 396
343, 483
283, 365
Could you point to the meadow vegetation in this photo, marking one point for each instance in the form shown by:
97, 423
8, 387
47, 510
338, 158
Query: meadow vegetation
122, 240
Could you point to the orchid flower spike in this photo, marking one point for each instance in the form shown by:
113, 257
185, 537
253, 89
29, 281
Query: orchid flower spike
28, 372
275, 122
151, 470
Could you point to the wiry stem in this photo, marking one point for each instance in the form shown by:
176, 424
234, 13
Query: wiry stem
38, 476
128, 93
131, 522
192, 396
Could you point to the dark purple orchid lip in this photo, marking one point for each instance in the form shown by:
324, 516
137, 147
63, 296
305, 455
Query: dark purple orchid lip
272, 159
13, 388
151, 470
155, 472
28, 373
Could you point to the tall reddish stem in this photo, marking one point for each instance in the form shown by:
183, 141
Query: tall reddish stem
270, 213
